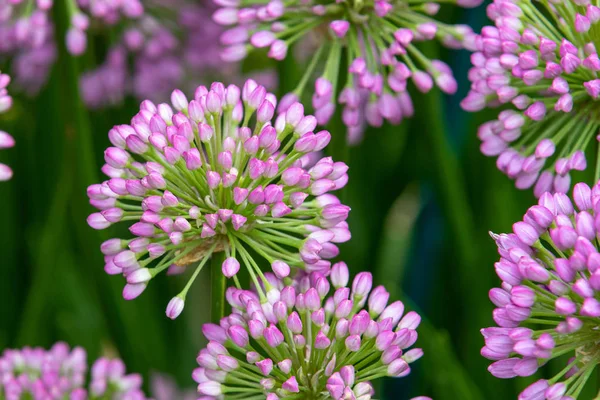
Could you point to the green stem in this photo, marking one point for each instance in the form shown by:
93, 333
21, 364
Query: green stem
52, 235
452, 198
45, 261
597, 174
217, 287
597, 384
452, 191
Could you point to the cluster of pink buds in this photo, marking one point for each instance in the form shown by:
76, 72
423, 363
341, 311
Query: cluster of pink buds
547, 305
27, 37
150, 51
380, 39
60, 373
219, 174
153, 55
106, 12
541, 60
308, 340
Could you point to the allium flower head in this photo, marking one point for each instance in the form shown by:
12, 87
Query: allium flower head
27, 33
309, 340
102, 13
548, 303
60, 373
218, 174
540, 57
154, 46
6, 141
157, 52
380, 38
148, 43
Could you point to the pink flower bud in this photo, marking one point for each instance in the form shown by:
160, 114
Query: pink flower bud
339, 27
175, 307
230, 267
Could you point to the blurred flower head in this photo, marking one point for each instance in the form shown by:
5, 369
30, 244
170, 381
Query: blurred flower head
147, 63
158, 51
146, 60
154, 46
308, 340
27, 37
219, 174
164, 387
6, 141
377, 42
27, 33
547, 305
541, 60
60, 373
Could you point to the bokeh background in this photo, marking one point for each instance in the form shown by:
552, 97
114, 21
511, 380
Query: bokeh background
423, 200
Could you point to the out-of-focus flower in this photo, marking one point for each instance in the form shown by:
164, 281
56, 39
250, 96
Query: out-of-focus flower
305, 342
146, 60
375, 41
60, 373
27, 36
179, 49
163, 387
157, 67
27, 33
108, 84
154, 46
107, 13
197, 178
6, 141
548, 305
540, 57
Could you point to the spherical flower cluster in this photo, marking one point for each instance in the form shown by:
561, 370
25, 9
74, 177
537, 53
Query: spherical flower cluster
60, 373
304, 342
6, 141
541, 58
379, 37
179, 49
27, 36
103, 12
27, 33
156, 58
110, 12
151, 51
164, 48
548, 303
195, 179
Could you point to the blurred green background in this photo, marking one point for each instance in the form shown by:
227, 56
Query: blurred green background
423, 199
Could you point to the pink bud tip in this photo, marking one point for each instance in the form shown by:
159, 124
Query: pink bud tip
175, 307
230, 267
